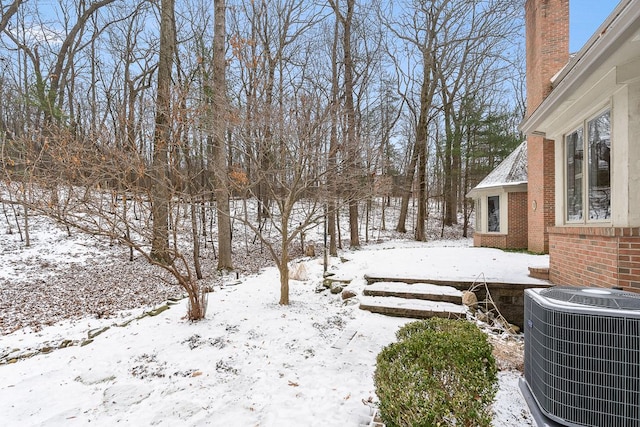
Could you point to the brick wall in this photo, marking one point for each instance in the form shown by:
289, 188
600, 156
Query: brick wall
629, 261
518, 220
490, 240
595, 256
547, 31
541, 192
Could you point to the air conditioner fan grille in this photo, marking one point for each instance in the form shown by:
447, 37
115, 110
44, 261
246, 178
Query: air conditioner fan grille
594, 297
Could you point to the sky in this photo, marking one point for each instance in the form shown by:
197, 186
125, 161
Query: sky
585, 16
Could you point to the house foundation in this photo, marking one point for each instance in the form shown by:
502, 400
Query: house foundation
595, 256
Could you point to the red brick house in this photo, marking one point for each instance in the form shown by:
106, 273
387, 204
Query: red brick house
501, 204
583, 140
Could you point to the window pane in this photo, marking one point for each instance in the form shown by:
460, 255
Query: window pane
493, 221
599, 167
575, 155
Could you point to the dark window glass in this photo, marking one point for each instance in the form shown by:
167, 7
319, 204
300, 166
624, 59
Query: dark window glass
599, 135
493, 215
574, 156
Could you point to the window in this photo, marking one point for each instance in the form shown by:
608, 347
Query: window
493, 214
592, 191
599, 130
575, 156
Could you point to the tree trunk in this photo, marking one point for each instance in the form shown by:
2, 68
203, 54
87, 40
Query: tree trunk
406, 191
160, 180
421, 155
456, 177
333, 147
125, 209
196, 237
219, 143
451, 166
421, 218
197, 306
352, 155
284, 276
27, 239
283, 263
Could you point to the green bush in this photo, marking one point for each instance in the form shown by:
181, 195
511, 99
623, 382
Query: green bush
441, 372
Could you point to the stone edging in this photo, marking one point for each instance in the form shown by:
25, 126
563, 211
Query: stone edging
15, 355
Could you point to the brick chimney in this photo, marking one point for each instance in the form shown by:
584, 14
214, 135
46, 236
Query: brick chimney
547, 33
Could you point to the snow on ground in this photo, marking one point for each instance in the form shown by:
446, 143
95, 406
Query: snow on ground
453, 260
252, 362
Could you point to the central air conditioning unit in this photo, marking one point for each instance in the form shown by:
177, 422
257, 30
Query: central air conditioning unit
582, 356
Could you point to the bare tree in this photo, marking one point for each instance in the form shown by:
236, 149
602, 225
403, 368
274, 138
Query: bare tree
454, 47
50, 87
471, 66
346, 19
418, 29
291, 109
332, 155
6, 13
294, 184
86, 199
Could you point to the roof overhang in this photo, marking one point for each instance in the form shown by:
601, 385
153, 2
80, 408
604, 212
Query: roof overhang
516, 187
614, 46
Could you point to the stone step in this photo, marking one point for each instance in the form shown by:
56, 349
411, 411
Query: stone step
420, 291
539, 272
413, 308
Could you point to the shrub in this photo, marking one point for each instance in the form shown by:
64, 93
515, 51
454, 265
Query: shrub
441, 372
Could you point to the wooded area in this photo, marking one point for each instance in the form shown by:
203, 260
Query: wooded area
115, 114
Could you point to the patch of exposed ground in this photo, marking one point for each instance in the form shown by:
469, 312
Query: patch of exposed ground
48, 286
508, 351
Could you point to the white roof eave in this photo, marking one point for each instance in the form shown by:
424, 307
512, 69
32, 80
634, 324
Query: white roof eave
503, 188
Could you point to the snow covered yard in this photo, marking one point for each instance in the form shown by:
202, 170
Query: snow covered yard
252, 362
